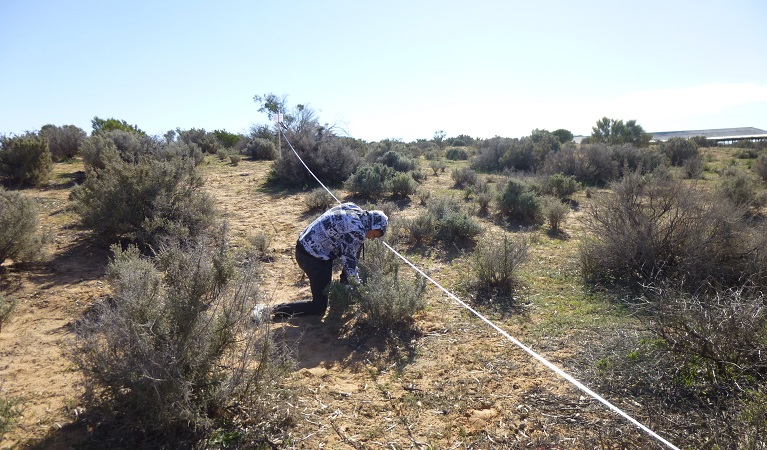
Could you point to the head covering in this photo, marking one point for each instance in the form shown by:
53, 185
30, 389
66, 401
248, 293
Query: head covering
377, 220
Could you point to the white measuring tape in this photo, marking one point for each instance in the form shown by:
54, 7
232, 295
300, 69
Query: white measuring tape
511, 338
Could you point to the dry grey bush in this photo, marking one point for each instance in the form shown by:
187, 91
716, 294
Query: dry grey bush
651, 229
20, 238
175, 345
495, 263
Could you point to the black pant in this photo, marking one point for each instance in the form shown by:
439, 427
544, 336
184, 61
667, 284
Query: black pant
320, 273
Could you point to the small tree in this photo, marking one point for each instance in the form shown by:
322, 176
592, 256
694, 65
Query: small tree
111, 124
615, 132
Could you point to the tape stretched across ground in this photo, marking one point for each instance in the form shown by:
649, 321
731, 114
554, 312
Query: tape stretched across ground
511, 338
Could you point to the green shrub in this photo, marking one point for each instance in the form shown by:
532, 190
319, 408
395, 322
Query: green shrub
678, 150
175, 347
693, 167
20, 238
208, 142
10, 410
234, 159
261, 149
370, 181
495, 262
422, 227
398, 161
519, 202
402, 184
561, 186
456, 154
147, 201
445, 220
222, 154
63, 142
25, 159
483, 200
741, 187
387, 299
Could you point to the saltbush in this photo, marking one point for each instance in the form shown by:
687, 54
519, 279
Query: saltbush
561, 186
464, 177
370, 180
398, 161
388, 298
174, 347
146, 201
590, 164
102, 148
63, 142
555, 213
20, 238
319, 200
678, 150
261, 149
495, 262
741, 187
331, 159
25, 159
519, 202
445, 220
402, 184
456, 154
652, 229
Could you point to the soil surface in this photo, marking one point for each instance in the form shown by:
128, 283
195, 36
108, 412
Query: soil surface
449, 382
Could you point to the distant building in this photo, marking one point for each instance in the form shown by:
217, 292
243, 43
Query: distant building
718, 136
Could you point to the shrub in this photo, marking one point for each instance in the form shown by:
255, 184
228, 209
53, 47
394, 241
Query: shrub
208, 142
495, 262
452, 223
456, 154
102, 148
10, 410
437, 165
398, 161
489, 153
590, 164
423, 195
760, 167
260, 149
234, 159
652, 229
387, 299
678, 150
25, 159
147, 201
174, 347
483, 199
20, 238
561, 186
555, 212
519, 202
629, 158
741, 187
6, 310
63, 142
693, 167
319, 199
464, 176
370, 181
422, 227
180, 150
402, 184
331, 159
724, 330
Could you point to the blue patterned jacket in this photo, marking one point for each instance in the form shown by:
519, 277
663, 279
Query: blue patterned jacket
339, 232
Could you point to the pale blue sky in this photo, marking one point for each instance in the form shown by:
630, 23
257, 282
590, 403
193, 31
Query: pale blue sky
395, 69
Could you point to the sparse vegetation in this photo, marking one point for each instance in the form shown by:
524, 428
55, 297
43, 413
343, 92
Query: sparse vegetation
495, 264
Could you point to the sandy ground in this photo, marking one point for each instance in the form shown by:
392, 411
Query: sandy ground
452, 382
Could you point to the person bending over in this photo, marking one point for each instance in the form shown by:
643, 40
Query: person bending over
337, 233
